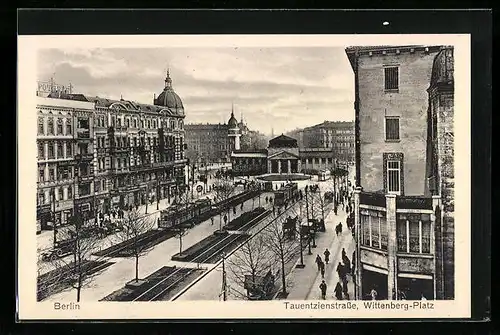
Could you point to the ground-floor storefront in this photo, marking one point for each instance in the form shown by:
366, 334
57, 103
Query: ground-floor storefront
373, 279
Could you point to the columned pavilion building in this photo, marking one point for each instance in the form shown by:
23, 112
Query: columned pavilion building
283, 155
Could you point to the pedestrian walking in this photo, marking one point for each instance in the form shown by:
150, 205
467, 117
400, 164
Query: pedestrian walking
340, 270
343, 253
212, 220
338, 291
266, 200
234, 210
318, 262
327, 256
345, 289
241, 207
323, 288
322, 269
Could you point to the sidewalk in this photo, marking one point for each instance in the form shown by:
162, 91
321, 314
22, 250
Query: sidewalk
305, 282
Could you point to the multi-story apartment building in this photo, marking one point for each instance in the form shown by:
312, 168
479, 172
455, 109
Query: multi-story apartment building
213, 143
65, 154
102, 153
403, 224
339, 136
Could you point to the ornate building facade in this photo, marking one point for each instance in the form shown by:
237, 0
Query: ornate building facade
404, 230
96, 153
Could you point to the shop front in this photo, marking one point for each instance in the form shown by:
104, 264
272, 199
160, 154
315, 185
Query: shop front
43, 213
415, 287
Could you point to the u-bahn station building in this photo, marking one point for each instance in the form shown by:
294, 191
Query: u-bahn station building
282, 156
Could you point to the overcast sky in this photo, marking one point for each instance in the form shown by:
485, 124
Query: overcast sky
280, 88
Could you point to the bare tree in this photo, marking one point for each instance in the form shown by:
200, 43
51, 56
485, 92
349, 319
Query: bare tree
79, 242
184, 200
134, 226
319, 203
284, 249
180, 232
252, 259
223, 189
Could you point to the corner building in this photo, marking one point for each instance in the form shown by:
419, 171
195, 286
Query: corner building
404, 240
95, 153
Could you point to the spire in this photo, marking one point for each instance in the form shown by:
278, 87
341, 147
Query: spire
168, 80
232, 109
121, 97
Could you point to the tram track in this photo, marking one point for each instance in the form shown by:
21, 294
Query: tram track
156, 292
44, 286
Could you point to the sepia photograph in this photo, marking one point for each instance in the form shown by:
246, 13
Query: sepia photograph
244, 176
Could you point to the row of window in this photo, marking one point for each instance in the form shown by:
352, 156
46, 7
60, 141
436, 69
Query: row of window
125, 141
413, 231
66, 192
251, 161
52, 173
121, 121
59, 193
317, 160
55, 150
54, 126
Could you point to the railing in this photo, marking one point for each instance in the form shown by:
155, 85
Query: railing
408, 202
85, 156
85, 178
372, 199
83, 133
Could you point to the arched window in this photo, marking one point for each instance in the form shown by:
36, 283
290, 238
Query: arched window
60, 153
70, 192
60, 193
41, 151
40, 126
68, 127
127, 123
50, 126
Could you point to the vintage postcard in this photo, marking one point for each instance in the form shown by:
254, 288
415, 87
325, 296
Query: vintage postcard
251, 176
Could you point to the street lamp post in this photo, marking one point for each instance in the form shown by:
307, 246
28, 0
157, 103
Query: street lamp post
299, 221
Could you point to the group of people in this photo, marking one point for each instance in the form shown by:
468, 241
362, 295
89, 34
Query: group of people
344, 269
321, 264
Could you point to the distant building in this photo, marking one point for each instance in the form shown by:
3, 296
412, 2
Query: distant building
404, 171
284, 156
339, 136
213, 143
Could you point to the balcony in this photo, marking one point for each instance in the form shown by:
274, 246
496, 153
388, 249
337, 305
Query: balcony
82, 133
407, 202
84, 157
85, 178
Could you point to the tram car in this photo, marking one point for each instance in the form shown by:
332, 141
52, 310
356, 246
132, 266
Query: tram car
286, 194
180, 214
323, 175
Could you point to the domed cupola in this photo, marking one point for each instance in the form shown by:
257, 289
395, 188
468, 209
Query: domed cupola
168, 98
232, 123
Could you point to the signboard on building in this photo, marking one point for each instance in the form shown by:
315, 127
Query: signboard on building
46, 87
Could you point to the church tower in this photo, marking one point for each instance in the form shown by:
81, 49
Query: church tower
234, 130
